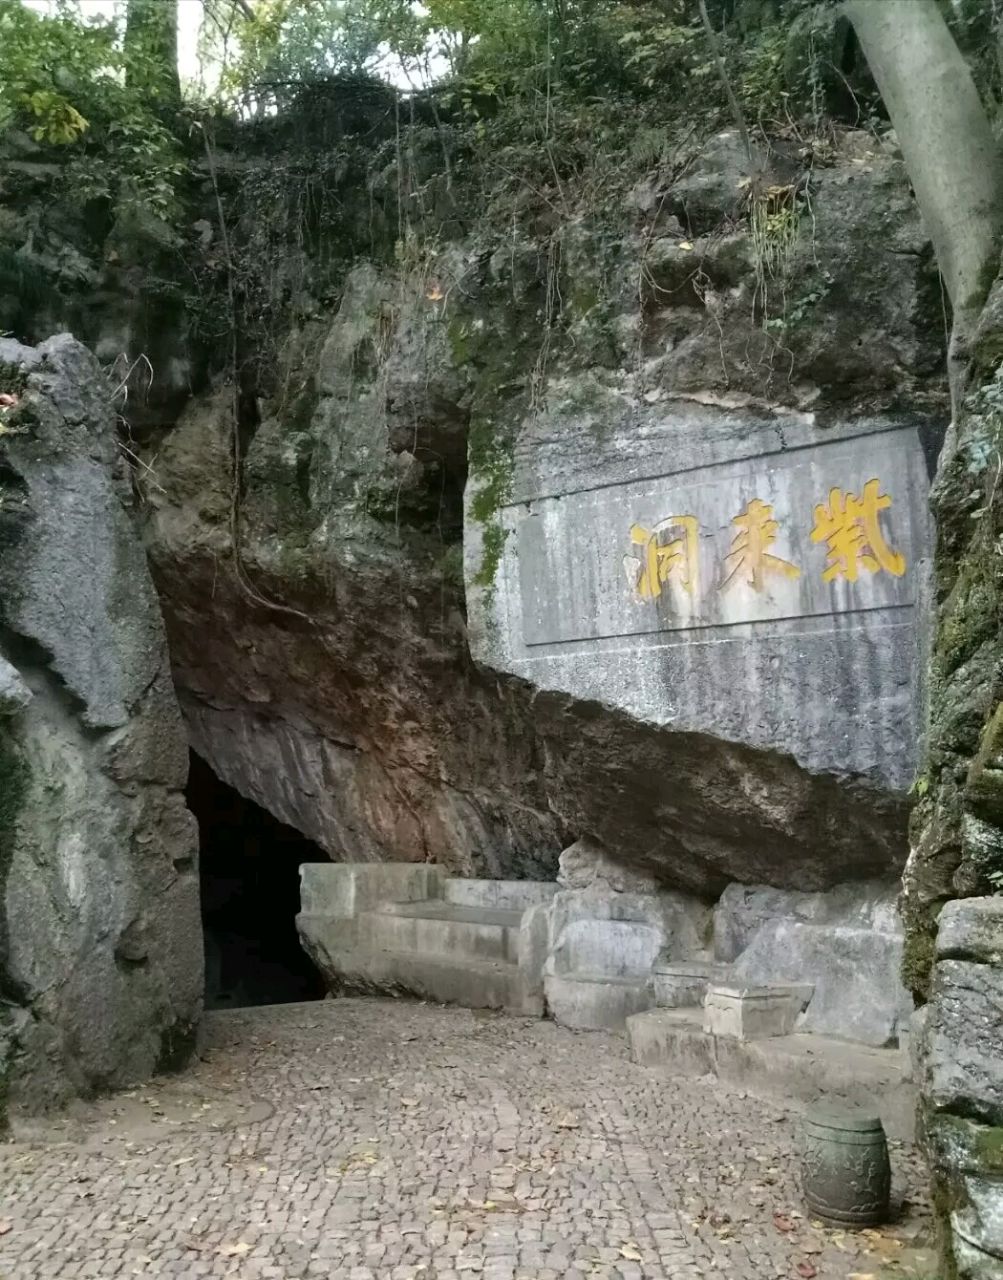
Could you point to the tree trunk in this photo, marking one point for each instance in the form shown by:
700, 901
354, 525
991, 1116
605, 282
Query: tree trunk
949, 150
151, 48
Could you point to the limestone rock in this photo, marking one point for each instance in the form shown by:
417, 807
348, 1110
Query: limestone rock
972, 929
963, 1035
846, 941
14, 693
101, 956
404, 710
855, 972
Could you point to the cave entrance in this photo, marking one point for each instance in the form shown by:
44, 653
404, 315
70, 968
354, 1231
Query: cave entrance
249, 871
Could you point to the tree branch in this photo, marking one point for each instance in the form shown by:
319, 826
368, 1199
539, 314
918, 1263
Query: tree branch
722, 71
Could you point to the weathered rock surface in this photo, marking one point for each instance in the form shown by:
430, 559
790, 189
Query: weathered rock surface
962, 1082
847, 943
100, 939
360, 717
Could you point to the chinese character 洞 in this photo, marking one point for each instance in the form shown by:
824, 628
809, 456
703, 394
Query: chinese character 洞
663, 557
749, 558
849, 526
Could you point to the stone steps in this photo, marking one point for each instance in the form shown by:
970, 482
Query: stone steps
808, 1068
474, 983
443, 929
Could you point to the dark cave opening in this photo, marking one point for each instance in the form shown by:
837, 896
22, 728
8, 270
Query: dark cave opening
249, 871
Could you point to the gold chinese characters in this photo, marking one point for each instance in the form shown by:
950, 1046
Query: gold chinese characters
848, 525
749, 558
662, 560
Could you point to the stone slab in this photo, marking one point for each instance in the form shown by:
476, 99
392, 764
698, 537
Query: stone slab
343, 889
475, 984
635, 593
680, 919
595, 1002
682, 985
502, 894
804, 1067
616, 948
855, 972
753, 1013
442, 929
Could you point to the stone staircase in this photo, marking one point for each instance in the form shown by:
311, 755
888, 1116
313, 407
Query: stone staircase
381, 927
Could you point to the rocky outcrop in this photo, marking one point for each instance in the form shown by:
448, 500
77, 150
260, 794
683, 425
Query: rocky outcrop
962, 1088
956, 858
100, 939
328, 675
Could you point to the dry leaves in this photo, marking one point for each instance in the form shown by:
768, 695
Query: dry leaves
6, 1226
887, 1248
234, 1250
806, 1270
782, 1222
631, 1252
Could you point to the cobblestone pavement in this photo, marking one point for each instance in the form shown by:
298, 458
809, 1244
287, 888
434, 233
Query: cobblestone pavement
366, 1138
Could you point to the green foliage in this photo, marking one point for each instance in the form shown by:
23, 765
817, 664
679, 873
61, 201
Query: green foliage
290, 43
71, 86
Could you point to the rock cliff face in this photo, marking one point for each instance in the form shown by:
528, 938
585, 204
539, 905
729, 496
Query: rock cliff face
328, 674
954, 955
100, 939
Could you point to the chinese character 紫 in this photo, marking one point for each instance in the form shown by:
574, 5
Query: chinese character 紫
850, 528
749, 559
663, 557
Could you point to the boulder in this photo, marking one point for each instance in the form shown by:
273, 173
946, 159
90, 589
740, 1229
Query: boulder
100, 935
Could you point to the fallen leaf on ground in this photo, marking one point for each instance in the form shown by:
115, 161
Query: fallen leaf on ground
782, 1222
234, 1250
6, 1226
631, 1252
807, 1270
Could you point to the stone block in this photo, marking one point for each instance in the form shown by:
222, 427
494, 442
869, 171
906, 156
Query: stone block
972, 929
505, 895
753, 1013
683, 984
353, 968
595, 1003
855, 970
435, 928
963, 1035
570, 610
608, 948
534, 943
744, 910
680, 919
341, 890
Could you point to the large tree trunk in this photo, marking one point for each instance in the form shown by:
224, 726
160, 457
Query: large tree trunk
151, 47
948, 147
